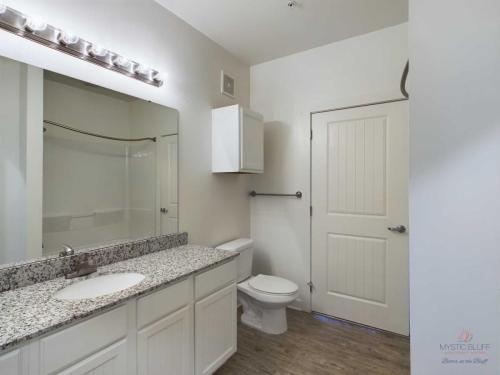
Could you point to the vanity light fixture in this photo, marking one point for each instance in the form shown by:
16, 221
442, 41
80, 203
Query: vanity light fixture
37, 30
157, 76
33, 24
67, 38
97, 50
99, 53
124, 63
144, 71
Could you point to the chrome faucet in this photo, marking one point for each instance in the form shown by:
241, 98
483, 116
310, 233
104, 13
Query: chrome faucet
82, 268
66, 251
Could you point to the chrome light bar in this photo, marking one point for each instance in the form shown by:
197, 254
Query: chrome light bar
65, 41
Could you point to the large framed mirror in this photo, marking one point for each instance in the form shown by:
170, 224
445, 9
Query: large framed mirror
81, 165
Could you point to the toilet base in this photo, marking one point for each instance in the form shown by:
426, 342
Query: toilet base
272, 322
266, 317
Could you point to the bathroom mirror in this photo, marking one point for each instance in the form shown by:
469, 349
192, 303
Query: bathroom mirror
81, 165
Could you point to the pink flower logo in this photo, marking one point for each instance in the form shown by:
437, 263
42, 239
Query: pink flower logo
465, 336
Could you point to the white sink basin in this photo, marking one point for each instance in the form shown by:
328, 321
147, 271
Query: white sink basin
99, 286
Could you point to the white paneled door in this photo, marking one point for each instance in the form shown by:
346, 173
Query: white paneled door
360, 162
168, 184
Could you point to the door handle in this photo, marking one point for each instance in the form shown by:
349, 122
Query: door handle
163, 210
398, 228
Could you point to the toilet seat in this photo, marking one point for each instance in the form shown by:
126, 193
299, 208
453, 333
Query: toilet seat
273, 285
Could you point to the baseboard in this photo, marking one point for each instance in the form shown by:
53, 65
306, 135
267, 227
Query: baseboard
295, 307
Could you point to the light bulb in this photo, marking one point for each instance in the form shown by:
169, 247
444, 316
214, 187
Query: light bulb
34, 24
144, 71
159, 77
121, 61
97, 51
3, 8
66, 37
124, 63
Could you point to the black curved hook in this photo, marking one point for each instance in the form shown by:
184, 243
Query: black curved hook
403, 80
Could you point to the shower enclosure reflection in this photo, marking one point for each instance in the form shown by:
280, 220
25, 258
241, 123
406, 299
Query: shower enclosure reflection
109, 165
96, 190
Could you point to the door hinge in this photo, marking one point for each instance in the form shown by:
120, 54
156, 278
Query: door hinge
310, 210
311, 135
311, 286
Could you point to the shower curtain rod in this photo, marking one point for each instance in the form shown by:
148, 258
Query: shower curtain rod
98, 135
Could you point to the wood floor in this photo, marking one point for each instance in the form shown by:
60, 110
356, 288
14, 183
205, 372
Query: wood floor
318, 345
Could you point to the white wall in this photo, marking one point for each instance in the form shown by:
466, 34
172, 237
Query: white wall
213, 208
455, 182
20, 162
354, 71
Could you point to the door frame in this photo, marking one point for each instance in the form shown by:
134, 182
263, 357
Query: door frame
158, 181
309, 270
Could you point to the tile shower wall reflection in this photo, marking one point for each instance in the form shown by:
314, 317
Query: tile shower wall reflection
92, 195
95, 190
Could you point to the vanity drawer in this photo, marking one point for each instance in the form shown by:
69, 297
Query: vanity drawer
158, 304
72, 344
215, 279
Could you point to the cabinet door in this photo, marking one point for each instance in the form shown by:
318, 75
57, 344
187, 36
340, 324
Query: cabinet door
251, 142
215, 328
72, 345
166, 347
109, 361
10, 363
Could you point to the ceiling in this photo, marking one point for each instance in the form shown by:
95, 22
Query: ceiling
261, 30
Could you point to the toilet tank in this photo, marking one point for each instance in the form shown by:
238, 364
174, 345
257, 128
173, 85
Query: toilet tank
244, 246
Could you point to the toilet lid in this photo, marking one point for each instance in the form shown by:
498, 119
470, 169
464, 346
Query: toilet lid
273, 285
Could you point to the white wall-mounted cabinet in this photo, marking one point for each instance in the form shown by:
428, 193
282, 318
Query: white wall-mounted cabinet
237, 140
151, 335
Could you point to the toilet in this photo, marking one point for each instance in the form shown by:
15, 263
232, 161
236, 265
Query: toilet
264, 298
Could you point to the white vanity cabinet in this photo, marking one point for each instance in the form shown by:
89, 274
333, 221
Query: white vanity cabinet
165, 347
237, 140
215, 330
181, 329
11, 363
165, 331
96, 344
109, 361
215, 318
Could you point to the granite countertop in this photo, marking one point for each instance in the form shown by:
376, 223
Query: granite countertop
29, 312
